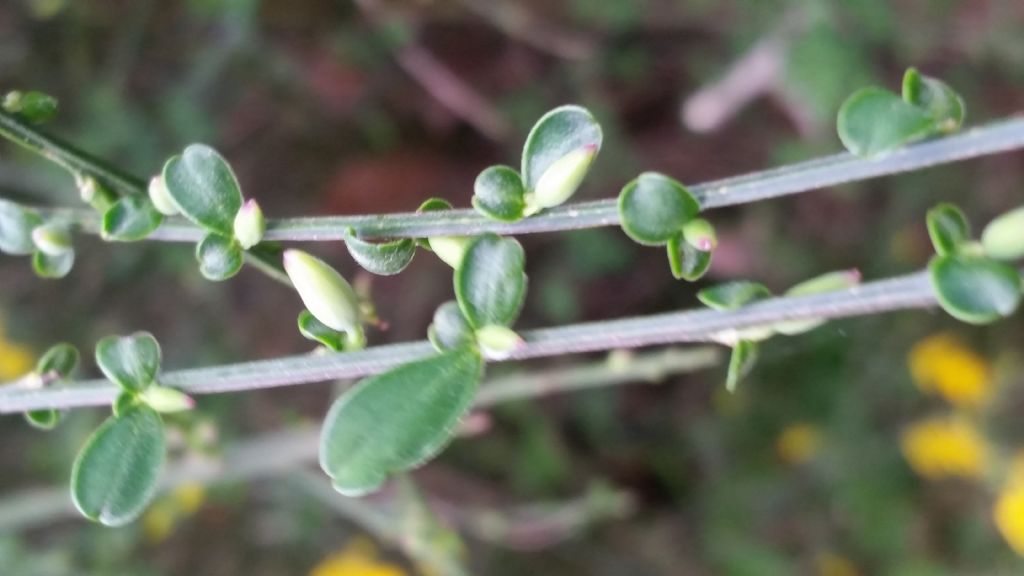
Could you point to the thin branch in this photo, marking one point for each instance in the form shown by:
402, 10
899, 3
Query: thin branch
900, 293
995, 138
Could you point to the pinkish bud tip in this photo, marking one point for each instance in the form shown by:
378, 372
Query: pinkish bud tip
592, 148
854, 275
704, 245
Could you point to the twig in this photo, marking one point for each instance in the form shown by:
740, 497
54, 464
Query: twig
901, 293
995, 138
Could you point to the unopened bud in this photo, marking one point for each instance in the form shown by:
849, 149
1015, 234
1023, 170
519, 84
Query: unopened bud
160, 197
829, 282
94, 194
559, 182
163, 399
249, 224
700, 234
51, 239
327, 296
498, 342
450, 249
1003, 238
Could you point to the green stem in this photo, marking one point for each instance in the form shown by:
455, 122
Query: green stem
899, 293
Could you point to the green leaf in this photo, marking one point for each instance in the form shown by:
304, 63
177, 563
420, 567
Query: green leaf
124, 402
397, 420
383, 258
685, 261
219, 257
131, 362
450, 329
558, 133
16, 225
36, 107
1003, 238
948, 228
450, 249
936, 98
317, 331
52, 239
873, 121
490, 284
973, 289
117, 471
744, 356
829, 282
653, 208
498, 193
431, 205
204, 188
43, 419
60, 361
47, 266
131, 218
733, 295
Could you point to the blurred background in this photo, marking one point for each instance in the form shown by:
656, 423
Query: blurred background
880, 445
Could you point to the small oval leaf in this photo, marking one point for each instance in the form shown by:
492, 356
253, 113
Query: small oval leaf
219, 257
59, 361
130, 219
733, 295
498, 193
397, 420
490, 283
131, 362
973, 289
45, 420
653, 208
450, 329
936, 98
1003, 238
685, 261
16, 226
874, 121
58, 266
558, 133
116, 473
317, 331
382, 258
203, 187
744, 356
948, 228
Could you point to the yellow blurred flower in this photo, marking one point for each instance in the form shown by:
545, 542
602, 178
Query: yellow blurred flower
831, 564
798, 443
1008, 514
945, 446
358, 558
15, 360
941, 364
161, 518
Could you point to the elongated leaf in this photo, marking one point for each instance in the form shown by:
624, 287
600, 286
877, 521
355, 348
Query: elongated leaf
131, 362
16, 225
383, 258
490, 284
653, 208
874, 121
560, 132
35, 107
498, 193
973, 289
205, 190
397, 420
733, 295
219, 257
116, 473
744, 356
131, 218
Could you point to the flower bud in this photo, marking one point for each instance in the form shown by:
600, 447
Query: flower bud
1003, 238
700, 234
327, 296
497, 342
450, 249
163, 399
559, 182
94, 194
51, 239
160, 197
249, 224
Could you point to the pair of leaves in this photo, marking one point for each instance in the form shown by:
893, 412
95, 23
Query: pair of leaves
557, 155
655, 210
873, 121
23, 233
969, 281
57, 363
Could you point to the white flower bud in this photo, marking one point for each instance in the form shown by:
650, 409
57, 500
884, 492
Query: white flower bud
249, 224
160, 197
450, 249
327, 296
1003, 238
497, 342
163, 399
700, 234
51, 240
559, 182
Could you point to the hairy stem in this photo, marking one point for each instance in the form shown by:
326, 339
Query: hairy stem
899, 293
998, 137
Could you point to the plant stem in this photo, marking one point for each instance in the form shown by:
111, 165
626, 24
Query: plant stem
899, 293
998, 137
